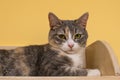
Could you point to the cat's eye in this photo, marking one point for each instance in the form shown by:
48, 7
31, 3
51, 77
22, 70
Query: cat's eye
77, 36
61, 36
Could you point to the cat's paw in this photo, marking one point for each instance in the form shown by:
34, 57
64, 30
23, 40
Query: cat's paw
93, 72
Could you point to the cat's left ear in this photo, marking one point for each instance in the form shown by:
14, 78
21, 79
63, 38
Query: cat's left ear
82, 21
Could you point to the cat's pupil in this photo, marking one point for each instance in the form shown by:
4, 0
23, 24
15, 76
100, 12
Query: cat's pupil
62, 36
77, 36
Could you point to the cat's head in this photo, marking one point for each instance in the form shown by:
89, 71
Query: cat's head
68, 35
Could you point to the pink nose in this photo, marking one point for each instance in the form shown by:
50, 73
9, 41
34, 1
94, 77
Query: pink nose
70, 45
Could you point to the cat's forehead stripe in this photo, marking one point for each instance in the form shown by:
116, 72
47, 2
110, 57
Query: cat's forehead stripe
67, 30
70, 36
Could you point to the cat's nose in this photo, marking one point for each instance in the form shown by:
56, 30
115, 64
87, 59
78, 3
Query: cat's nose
71, 45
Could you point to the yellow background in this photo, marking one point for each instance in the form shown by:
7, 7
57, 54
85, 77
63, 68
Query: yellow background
25, 22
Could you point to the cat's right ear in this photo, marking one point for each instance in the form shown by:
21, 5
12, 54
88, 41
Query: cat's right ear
53, 20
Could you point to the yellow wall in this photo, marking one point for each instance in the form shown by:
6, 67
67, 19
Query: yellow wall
25, 22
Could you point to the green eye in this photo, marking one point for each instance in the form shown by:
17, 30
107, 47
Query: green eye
77, 36
61, 36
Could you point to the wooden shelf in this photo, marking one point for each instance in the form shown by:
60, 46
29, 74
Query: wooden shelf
62, 78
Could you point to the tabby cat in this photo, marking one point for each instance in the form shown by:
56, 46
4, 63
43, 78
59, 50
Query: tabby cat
64, 55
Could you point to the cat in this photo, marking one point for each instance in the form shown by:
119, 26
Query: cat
63, 55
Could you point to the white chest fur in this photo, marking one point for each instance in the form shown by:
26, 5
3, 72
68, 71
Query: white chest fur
78, 59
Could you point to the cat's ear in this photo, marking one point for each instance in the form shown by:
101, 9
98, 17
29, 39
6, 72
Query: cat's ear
82, 21
53, 20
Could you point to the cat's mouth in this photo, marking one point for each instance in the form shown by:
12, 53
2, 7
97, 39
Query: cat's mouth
71, 51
